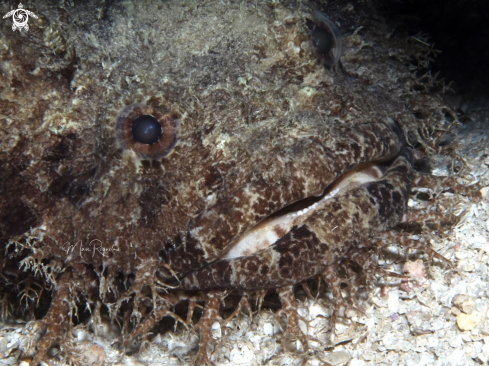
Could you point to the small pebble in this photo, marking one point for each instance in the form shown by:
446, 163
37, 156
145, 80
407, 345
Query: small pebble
241, 355
337, 358
92, 354
417, 271
468, 322
455, 310
268, 329
393, 302
456, 341
357, 362
464, 303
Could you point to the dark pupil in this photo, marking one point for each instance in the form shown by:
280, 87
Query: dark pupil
146, 129
322, 40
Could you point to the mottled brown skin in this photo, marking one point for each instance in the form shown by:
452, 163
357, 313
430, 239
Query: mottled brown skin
320, 241
216, 228
262, 125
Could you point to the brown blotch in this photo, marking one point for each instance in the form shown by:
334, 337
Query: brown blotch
279, 231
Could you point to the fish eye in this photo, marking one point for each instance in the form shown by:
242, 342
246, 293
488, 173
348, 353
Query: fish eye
146, 131
322, 40
326, 40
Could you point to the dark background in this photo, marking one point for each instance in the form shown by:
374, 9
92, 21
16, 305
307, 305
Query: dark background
459, 28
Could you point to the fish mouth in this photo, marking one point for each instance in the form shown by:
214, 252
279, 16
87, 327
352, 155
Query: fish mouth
265, 209
273, 228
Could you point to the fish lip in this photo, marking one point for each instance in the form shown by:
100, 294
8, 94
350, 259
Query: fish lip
374, 169
279, 223
218, 227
